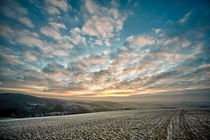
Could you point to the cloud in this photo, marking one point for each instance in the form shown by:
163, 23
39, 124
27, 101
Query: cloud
91, 7
103, 23
8, 53
90, 63
167, 57
6, 31
30, 56
171, 40
140, 41
176, 42
94, 60
62, 4
19, 13
53, 10
25, 37
98, 42
158, 59
26, 21
76, 36
52, 68
50, 32
185, 18
100, 76
59, 45
30, 41
8, 9
100, 27
157, 31
57, 25
76, 66
179, 77
11, 59
61, 53
185, 43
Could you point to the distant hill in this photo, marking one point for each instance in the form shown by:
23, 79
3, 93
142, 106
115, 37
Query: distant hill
21, 105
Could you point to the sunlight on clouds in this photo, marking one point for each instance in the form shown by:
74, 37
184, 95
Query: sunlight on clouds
50, 32
62, 4
61, 53
26, 21
103, 23
114, 92
112, 95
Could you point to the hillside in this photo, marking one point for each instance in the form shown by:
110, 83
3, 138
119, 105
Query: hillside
21, 105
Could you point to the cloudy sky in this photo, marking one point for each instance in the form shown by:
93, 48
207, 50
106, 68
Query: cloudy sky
104, 48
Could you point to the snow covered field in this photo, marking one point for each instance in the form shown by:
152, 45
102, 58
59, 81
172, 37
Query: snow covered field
132, 124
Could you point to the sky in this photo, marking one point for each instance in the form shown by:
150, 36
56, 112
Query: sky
104, 48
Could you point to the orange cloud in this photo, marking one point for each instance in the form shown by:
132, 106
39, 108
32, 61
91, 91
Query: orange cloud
114, 92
